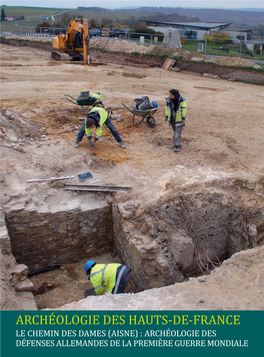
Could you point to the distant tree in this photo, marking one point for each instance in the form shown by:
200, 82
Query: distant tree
3, 14
118, 25
258, 30
183, 40
257, 49
173, 17
132, 21
218, 38
93, 24
106, 22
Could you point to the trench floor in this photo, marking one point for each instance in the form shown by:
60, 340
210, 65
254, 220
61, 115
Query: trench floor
66, 284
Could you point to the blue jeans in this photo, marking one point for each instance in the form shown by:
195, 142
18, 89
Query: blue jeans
177, 131
122, 281
81, 133
110, 126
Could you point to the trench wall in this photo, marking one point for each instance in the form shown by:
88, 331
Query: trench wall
180, 236
143, 255
40, 238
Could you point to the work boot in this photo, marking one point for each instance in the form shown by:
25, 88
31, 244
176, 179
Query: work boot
77, 144
177, 148
122, 145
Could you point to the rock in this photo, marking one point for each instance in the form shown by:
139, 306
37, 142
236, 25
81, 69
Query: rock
27, 300
182, 248
122, 196
145, 228
127, 209
20, 269
13, 139
163, 237
116, 116
25, 285
252, 231
197, 59
210, 75
127, 214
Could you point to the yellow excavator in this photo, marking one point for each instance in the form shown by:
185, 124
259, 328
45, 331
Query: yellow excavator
75, 42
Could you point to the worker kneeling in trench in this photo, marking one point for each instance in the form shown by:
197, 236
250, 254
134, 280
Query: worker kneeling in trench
112, 277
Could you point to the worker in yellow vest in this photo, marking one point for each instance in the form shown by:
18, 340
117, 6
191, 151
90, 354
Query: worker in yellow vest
97, 117
112, 277
175, 114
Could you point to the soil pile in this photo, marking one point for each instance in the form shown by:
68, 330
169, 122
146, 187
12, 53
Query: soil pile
233, 61
30, 38
124, 46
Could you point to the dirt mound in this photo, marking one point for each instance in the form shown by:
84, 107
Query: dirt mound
113, 45
30, 38
232, 61
124, 46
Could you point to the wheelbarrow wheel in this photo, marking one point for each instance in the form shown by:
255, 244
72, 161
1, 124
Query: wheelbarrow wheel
151, 120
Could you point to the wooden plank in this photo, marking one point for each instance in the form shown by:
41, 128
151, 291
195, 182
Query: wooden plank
169, 63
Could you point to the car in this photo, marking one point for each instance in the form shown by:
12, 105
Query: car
105, 32
116, 32
94, 32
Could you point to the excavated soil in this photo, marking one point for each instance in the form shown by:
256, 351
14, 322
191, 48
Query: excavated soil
223, 140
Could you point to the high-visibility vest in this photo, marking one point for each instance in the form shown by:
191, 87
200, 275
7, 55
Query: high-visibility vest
103, 277
103, 117
180, 111
97, 96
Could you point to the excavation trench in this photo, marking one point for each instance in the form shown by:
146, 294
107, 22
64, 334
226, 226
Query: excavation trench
164, 243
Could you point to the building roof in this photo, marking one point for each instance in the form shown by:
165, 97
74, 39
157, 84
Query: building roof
191, 25
238, 30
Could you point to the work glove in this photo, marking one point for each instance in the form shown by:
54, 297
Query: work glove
91, 143
183, 122
166, 118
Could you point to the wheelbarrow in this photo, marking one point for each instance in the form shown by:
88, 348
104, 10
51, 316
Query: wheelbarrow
85, 99
147, 116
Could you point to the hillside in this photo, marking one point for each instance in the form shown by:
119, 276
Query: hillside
245, 18
238, 17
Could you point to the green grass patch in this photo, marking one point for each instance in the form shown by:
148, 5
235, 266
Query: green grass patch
32, 14
211, 49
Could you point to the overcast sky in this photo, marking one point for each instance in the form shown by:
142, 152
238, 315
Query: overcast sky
120, 3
